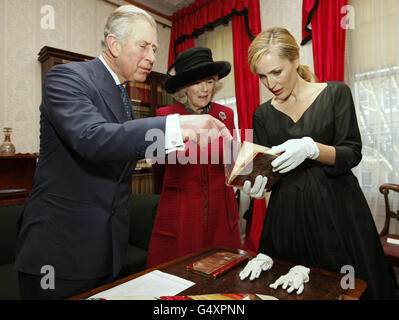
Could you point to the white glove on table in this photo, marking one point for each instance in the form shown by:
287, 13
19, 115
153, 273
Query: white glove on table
254, 267
295, 151
258, 189
294, 279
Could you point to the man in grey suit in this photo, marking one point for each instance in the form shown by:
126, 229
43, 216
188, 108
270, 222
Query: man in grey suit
75, 221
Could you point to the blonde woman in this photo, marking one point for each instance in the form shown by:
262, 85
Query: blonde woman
196, 208
317, 215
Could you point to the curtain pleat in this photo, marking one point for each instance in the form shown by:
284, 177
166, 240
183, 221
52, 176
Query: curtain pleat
246, 83
203, 14
328, 37
254, 230
308, 8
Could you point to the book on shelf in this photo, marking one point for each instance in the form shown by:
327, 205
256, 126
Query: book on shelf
133, 91
139, 92
217, 263
143, 164
159, 94
140, 111
167, 99
251, 161
142, 183
135, 103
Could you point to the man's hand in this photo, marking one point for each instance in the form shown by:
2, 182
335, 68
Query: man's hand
203, 129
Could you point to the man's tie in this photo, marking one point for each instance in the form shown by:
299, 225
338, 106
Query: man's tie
126, 102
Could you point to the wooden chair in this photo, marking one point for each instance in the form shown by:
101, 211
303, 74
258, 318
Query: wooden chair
391, 250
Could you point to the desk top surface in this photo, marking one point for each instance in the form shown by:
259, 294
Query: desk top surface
323, 285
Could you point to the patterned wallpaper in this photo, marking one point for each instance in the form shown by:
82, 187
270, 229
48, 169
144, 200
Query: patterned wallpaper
78, 27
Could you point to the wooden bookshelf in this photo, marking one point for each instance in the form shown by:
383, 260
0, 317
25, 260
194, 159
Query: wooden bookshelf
147, 97
49, 57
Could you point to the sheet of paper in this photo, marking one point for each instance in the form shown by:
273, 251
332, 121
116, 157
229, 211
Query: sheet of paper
152, 284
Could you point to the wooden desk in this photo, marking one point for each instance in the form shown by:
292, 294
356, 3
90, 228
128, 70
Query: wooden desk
323, 285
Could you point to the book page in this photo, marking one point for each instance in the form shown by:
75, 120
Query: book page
252, 160
152, 284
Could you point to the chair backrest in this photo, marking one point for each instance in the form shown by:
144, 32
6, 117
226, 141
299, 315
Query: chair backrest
389, 213
143, 208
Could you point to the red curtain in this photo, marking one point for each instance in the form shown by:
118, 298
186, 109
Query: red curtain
201, 14
308, 7
246, 83
246, 24
254, 230
328, 37
195, 18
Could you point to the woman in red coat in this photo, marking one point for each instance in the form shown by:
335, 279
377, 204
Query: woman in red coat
196, 208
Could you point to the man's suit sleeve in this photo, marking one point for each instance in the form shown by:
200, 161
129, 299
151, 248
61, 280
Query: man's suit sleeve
78, 114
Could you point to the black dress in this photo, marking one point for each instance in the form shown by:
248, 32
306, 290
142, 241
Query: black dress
317, 215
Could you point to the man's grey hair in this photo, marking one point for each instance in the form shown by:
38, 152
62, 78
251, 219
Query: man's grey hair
119, 23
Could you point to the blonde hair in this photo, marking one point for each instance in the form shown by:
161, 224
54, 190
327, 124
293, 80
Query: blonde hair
119, 23
286, 45
181, 96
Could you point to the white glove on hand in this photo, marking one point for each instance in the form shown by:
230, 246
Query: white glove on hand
258, 190
295, 151
254, 267
295, 279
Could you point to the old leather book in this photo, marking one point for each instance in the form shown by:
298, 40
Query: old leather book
217, 264
252, 160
